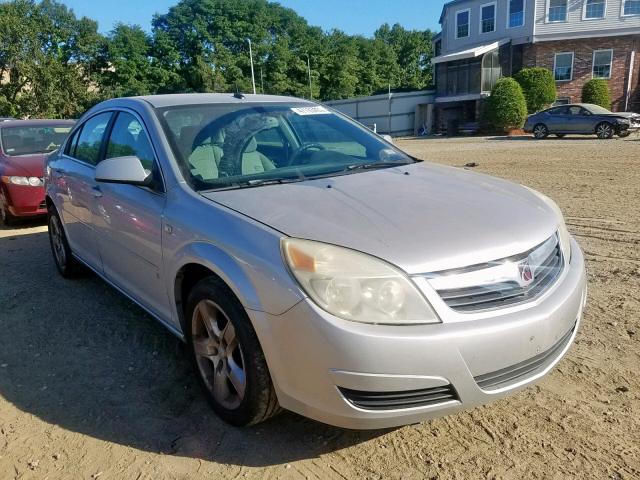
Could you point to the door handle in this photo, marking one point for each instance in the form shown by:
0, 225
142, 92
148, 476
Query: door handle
97, 193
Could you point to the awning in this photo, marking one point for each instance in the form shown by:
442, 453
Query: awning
470, 53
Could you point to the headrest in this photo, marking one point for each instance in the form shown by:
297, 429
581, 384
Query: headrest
218, 137
252, 146
188, 135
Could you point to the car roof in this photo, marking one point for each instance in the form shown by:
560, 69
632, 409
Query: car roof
172, 100
35, 123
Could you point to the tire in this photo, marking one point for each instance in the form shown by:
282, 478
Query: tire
605, 131
227, 356
6, 219
540, 131
624, 134
65, 262
561, 135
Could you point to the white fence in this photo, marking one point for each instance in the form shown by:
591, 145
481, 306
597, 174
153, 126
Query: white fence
405, 113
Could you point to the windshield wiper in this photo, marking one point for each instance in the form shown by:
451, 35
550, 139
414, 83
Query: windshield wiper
375, 165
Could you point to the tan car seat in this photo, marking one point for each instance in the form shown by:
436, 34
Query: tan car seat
253, 161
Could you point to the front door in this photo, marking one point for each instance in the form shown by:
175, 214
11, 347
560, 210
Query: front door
128, 221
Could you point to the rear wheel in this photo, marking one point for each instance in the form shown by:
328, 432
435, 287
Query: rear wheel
604, 130
227, 356
66, 264
540, 131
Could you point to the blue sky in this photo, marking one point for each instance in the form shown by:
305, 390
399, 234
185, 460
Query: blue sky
352, 16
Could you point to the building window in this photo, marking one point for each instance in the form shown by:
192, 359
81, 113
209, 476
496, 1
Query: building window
491, 70
488, 18
563, 67
557, 11
516, 13
602, 60
562, 101
631, 7
594, 9
437, 47
462, 23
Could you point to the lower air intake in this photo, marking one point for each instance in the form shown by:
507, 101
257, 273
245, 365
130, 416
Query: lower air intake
398, 400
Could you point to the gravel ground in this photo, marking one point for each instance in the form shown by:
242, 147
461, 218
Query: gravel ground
91, 387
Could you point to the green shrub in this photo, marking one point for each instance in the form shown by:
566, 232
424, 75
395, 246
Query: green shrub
507, 106
596, 91
538, 86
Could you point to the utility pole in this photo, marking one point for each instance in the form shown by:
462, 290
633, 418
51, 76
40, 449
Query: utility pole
261, 81
309, 71
389, 122
253, 78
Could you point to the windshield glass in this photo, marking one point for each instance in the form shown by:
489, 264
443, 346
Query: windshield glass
597, 109
233, 146
33, 140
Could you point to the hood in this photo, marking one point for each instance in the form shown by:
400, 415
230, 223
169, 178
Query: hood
629, 115
421, 217
25, 165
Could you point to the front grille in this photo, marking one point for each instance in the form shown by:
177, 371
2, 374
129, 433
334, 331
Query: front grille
519, 371
544, 263
398, 400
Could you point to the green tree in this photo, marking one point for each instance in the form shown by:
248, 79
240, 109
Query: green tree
596, 91
538, 86
507, 105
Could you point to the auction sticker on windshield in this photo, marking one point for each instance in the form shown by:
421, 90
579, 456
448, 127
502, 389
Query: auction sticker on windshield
317, 110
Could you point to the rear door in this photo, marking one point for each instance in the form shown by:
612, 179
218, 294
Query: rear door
76, 189
128, 219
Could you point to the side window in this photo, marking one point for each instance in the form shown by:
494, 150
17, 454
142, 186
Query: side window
575, 111
128, 138
70, 149
90, 139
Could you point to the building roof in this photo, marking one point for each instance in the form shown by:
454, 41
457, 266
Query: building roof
447, 5
472, 52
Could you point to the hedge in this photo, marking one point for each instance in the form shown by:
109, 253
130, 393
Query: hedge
596, 91
538, 86
507, 107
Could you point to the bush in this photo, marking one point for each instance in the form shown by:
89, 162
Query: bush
538, 86
596, 91
507, 106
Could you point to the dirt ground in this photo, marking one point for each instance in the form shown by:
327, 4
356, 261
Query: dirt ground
91, 387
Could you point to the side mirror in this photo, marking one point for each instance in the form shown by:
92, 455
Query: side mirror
387, 138
127, 170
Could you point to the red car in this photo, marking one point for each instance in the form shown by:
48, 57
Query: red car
24, 144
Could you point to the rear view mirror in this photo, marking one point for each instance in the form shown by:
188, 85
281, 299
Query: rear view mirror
127, 170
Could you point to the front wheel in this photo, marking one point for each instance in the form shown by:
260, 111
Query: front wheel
227, 356
605, 131
6, 219
540, 131
624, 134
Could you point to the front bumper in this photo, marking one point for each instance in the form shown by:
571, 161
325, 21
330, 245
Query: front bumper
317, 360
24, 201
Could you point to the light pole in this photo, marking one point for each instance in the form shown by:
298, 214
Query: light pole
253, 78
309, 71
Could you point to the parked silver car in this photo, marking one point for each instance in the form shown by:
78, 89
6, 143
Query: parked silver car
582, 119
311, 265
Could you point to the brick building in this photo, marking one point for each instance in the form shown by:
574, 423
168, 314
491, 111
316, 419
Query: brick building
483, 40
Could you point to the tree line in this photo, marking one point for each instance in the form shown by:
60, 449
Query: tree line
54, 64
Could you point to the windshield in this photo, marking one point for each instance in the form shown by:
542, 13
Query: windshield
597, 110
33, 140
235, 146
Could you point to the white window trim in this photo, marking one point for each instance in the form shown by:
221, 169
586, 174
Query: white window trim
495, 17
546, 16
584, 12
622, 14
593, 63
555, 59
468, 10
524, 14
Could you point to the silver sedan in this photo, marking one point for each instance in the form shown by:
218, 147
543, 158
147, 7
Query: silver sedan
311, 265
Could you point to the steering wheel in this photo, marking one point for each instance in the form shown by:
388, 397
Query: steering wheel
299, 157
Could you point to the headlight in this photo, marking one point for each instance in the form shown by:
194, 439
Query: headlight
355, 286
25, 181
563, 232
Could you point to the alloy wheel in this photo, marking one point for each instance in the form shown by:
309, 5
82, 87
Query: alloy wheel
57, 241
604, 131
218, 354
540, 131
